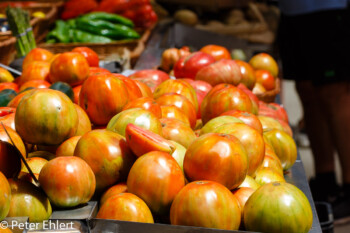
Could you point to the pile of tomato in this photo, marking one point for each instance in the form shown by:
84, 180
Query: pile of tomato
199, 149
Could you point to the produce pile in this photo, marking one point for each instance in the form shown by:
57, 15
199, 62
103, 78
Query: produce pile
199, 150
97, 27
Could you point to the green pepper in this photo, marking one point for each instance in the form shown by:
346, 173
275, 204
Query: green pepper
59, 33
105, 28
85, 37
113, 18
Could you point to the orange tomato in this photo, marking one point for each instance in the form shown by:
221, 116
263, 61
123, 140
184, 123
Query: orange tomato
266, 79
217, 51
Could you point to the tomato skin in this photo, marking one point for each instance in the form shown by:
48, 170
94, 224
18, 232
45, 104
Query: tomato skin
76, 91
84, 123
37, 70
250, 183
112, 191
266, 79
34, 84
152, 78
145, 90
37, 54
46, 116
102, 97
217, 51
146, 103
9, 85
7, 116
132, 88
224, 97
156, 178
136, 116
171, 56
248, 118
67, 181
231, 161
176, 130
221, 212
107, 154
90, 55
67, 147
187, 67
5, 196
15, 138
242, 194
264, 61
247, 74
173, 112
180, 102
281, 201
125, 207
273, 110
69, 67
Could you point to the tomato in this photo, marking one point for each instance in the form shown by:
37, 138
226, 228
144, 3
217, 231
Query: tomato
231, 161
171, 111
9, 85
98, 70
15, 138
142, 141
107, 154
179, 154
136, 116
37, 54
76, 91
125, 207
216, 122
46, 116
34, 84
5, 196
251, 140
266, 175
206, 204
250, 183
146, 103
132, 88
177, 86
273, 110
254, 99
180, 102
247, 74
223, 71
67, 147
112, 191
273, 163
171, 56
222, 98
266, 79
69, 67
264, 61
7, 116
28, 200
145, 90
84, 124
37, 70
102, 97
15, 101
176, 130
242, 194
217, 51
248, 118
67, 181
201, 88
269, 123
187, 67
5, 76
156, 178
284, 147
281, 202
152, 78
35, 164
90, 55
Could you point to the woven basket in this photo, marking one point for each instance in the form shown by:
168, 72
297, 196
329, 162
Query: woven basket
269, 96
40, 28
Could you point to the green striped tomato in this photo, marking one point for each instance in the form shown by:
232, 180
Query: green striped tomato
46, 116
278, 207
284, 147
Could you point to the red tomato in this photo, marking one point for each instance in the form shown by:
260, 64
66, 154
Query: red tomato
156, 178
146, 103
67, 181
7, 116
125, 207
35, 84
216, 122
264, 61
98, 70
145, 90
76, 91
182, 103
69, 67
37, 70
187, 67
217, 51
231, 161
178, 131
276, 209
37, 54
242, 195
107, 154
15, 138
152, 78
15, 101
222, 98
266, 79
206, 204
90, 55
4, 197
9, 85
171, 111
248, 118
133, 89
4, 111
84, 124
273, 110
247, 74
112, 191
102, 97
67, 147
